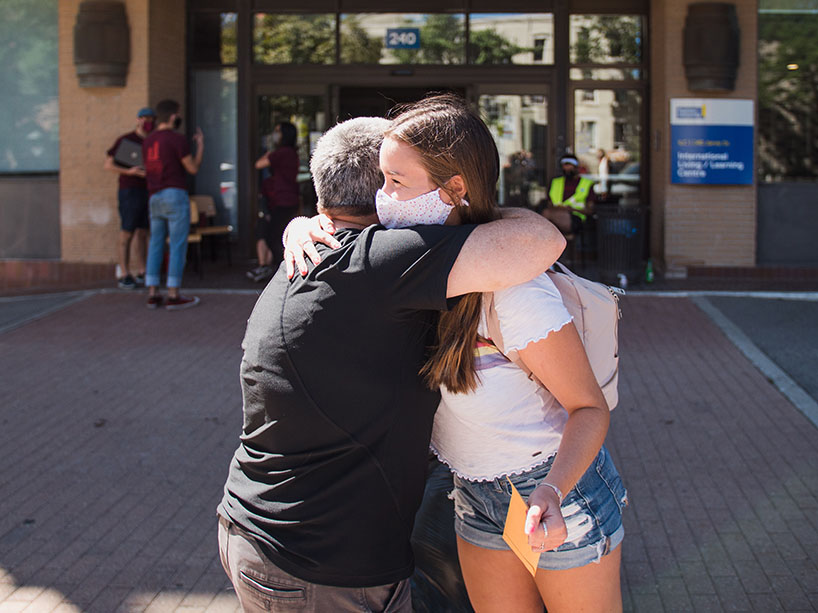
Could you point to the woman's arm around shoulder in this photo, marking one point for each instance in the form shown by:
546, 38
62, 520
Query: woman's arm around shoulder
505, 252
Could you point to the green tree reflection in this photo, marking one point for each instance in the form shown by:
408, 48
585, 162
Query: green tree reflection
788, 96
442, 41
357, 47
28, 86
489, 47
294, 39
606, 39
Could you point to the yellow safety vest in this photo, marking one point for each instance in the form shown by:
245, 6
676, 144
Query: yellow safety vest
576, 201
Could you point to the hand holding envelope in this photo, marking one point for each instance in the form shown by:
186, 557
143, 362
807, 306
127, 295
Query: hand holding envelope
529, 532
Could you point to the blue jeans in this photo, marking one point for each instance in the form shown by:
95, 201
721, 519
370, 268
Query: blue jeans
592, 512
170, 219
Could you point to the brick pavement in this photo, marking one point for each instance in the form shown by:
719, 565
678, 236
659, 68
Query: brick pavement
117, 423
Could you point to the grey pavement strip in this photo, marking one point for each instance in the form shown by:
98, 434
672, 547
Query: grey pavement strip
12, 305
190, 290
806, 296
17, 311
794, 392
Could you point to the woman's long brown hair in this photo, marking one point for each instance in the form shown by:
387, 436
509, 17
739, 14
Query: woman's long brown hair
452, 140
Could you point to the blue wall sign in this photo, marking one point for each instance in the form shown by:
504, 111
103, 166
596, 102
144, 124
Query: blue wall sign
403, 38
712, 141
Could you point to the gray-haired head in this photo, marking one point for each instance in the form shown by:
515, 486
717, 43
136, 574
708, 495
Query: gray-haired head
344, 166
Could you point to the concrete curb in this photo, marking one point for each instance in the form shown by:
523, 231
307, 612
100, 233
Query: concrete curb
794, 392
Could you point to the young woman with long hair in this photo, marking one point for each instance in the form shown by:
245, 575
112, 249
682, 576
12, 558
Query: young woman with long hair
494, 424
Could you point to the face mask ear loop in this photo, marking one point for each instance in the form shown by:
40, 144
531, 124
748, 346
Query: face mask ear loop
456, 199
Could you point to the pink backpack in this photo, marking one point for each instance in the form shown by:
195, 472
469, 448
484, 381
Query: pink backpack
595, 309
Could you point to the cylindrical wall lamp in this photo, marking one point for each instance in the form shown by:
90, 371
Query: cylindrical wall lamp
711, 46
102, 44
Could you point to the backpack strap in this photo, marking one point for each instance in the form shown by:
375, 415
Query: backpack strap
496, 337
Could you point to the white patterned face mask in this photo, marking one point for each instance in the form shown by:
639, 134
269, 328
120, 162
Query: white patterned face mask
425, 210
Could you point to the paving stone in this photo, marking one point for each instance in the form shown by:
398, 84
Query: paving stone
753, 577
791, 595
706, 603
765, 602
647, 603
696, 578
731, 593
48, 600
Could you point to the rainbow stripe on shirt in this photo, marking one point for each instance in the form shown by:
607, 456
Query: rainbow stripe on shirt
486, 355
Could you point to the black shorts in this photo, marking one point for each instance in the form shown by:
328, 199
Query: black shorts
270, 227
133, 208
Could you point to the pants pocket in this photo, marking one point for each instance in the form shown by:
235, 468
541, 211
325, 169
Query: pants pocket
269, 590
606, 470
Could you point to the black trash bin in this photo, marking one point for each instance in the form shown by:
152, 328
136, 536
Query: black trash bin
620, 243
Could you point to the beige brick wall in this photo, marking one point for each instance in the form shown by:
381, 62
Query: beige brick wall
166, 52
92, 118
696, 225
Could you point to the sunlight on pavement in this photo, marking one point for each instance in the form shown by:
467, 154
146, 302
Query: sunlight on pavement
31, 598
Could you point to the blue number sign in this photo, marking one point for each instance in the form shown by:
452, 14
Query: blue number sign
403, 38
711, 141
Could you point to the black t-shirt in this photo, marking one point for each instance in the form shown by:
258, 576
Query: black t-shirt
331, 466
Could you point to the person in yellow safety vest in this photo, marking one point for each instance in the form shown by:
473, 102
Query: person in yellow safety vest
571, 197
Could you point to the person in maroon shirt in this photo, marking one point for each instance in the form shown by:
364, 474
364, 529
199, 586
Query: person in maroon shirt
133, 204
280, 191
167, 158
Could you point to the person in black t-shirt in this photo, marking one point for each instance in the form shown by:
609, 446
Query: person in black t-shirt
321, 494
133, 203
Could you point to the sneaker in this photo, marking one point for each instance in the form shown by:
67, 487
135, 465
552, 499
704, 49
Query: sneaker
126, 282
154, 302
139, 280
263, 273
252, 274
181, 302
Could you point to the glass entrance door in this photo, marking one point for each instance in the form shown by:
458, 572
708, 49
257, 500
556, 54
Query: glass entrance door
517, 115
378, 101
307, 111
518, 119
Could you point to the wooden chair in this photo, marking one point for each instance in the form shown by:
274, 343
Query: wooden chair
205, 218
194, 238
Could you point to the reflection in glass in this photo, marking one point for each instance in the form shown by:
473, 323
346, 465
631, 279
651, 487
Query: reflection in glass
606, 74
29, 136
519, 125
213, 38
606, 39
308, 115
403, 38
607, 141
508, 38
214, 97
294, 39
788, 96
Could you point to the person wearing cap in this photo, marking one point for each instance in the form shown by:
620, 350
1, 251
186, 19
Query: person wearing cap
570, 196
133, 204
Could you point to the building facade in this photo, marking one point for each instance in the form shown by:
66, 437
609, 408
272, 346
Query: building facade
549, 76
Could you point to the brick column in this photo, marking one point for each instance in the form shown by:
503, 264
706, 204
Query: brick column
702, 225
92, 118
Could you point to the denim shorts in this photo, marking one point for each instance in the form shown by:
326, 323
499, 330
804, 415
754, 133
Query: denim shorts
592, 511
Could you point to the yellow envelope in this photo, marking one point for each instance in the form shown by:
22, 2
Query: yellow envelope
514, 531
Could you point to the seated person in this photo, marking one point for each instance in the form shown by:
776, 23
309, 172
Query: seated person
570, 198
